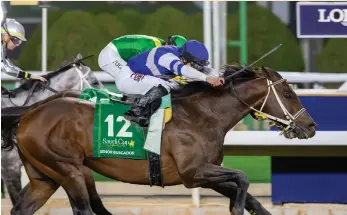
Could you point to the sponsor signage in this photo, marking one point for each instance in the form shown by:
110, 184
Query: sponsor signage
321, 19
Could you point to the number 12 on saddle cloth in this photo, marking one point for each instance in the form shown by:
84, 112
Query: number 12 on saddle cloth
116, 137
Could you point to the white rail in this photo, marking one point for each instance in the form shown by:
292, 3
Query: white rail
272, 138
292, 77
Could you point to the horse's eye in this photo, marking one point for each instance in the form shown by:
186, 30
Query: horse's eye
95, 83
288, 94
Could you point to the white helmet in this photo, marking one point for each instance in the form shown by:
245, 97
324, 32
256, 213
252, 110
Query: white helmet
14, 29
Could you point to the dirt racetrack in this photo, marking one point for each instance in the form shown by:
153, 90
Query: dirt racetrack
144, 200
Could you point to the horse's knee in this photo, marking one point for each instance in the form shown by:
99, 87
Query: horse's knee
187, 176
188, 181
242, 179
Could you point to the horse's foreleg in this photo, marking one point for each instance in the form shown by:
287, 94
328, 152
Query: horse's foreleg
217, 178
229, 190
11, 173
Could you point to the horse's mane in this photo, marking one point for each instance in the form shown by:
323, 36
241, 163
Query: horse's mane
226, 70
28, 84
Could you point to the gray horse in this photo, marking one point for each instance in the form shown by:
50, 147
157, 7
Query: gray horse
73, 76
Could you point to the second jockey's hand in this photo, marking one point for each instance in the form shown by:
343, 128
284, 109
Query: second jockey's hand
38, 77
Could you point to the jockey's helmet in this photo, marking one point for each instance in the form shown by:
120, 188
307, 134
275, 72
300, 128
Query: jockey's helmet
176, 40
196, 53
14, 29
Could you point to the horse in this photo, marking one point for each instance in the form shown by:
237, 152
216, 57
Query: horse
55, 140
73, 76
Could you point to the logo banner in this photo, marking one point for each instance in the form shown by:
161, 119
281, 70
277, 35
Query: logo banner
321, 19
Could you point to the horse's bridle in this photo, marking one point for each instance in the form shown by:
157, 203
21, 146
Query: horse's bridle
82, 77
289, 122
46, 86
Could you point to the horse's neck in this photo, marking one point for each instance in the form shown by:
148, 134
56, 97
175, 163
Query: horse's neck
17, 101
252, 93
68, 80
228, 110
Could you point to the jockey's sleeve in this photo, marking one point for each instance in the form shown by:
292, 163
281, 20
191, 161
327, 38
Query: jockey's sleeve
10, 69
210, 72
14, 71
173, 63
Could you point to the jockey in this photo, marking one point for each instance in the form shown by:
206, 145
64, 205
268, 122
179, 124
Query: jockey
12, 35
113, 58
188, 61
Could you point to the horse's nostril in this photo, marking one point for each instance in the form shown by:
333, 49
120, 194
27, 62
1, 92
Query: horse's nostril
312, 126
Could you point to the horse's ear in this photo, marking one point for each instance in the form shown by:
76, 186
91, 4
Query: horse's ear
266, 73
78, 57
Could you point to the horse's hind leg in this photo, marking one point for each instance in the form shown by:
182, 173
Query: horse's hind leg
74, 184
11, 173
36, 193
213, 176
95, 201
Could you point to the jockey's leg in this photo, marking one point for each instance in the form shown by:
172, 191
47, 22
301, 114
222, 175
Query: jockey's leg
135, 83
153, 94
152, 88
111, 62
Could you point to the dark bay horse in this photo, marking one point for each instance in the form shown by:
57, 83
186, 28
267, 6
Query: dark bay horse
55, 140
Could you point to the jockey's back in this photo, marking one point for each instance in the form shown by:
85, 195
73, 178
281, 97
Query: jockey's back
157, 61
132, 45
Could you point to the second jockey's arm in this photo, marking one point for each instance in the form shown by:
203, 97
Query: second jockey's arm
210, 72
173, 63
215, 78
12, 70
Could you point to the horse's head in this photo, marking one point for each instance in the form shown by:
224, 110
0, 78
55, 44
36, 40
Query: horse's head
269, 97
75, 76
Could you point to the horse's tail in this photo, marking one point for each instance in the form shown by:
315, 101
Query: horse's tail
10, 117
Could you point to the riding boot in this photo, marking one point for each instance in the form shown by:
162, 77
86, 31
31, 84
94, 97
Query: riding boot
135, 114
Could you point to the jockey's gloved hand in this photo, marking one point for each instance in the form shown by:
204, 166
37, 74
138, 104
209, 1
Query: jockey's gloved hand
215, 81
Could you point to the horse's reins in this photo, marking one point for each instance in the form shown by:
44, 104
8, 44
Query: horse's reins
48, 87
262, 57
32, 89
290, 119
31, 92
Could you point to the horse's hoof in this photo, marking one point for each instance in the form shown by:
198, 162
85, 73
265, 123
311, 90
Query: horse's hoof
237, 212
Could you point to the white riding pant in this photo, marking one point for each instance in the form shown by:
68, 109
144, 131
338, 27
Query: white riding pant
127, 81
